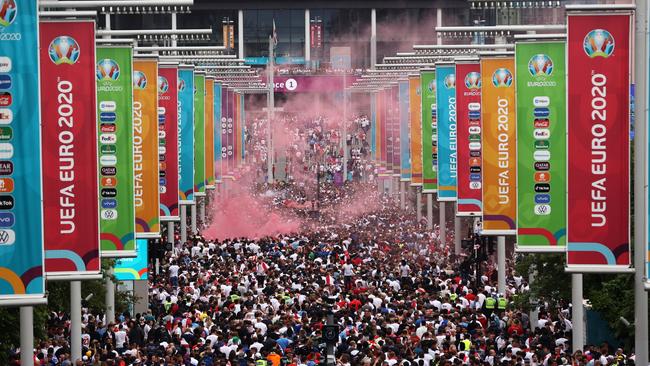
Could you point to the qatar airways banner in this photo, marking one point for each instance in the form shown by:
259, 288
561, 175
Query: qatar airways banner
598, 114
168, 141
186, 138
468, 106
217, 131
499, 172
22, 280
199, 134
429, 131
447, 155
404, 122
416, 130
69, 131
145, 147
209, 133
317, 84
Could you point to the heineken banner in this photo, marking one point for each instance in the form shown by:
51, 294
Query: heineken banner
217, 131
199, 133
133, 269
468, 104
115, 120
429, 131
168, 141
415, 121
373, 125
21, 233
541, 146
209, 133
447, 156
145, 147
598, 116
186, 138
499, 159
404, 124
69, 132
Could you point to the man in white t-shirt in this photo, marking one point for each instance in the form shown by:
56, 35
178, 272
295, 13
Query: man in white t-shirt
173, 274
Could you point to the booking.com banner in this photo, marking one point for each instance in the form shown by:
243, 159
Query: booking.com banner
186, 140
168, 141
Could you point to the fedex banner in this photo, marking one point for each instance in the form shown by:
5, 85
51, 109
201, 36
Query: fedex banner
186, 138
22, 280
498, 144
468, 103
404, 124
209, 133
115, 139
145, 147
415, 121
199, 134
429, 132
598, 115
447, 139
168, 141
69, 131
541, 146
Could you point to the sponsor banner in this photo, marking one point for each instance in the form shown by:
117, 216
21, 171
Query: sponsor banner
404, 124
598, 115
21, 228
429, 131
114, 73
133, 269
168, 141
242, 129
470, 162
235, 128
381, 129
225, 97
498, 146
373, 126
393, 131
209, 133
541, 146
447, 139
415, 121
186, 138
145, 148
217, 131
199, 133
70, 184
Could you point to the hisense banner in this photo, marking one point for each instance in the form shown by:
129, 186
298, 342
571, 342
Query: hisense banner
168, 153
186, 140
199, 134
429, 131
115, 138
209, 133
447, 139
415, 121
69, 132
598, 104
498, 144
404, 124
541, 146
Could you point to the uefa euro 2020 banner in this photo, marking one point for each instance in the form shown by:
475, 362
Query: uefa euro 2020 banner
22, 280
114, 72
404, 124
168, 141
145, 147
429, 131
415, 116
498, 144
186, 140
209, 133
447, 146
68, 120
218, 125
199, 134
598, 82
541, 146
133, 269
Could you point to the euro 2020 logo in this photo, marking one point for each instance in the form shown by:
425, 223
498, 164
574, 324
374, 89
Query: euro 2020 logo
64, 50
540, 66
450, 81
108, 69
473, 80
8, 11
432, 86
139, 80
163, 85
598, 42
502, 78
181, 85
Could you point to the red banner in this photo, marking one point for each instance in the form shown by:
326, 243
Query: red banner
598, 227
168, 141
468, 105
69, 148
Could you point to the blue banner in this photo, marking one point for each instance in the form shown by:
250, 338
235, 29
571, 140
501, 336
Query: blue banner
133, 269
186, 139
447, 148
21, 226
217, 131
373, 126
405, 140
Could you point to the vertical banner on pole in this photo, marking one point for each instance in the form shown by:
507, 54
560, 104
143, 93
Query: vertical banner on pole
498, 144
22, 280
415, 120
114, 72
199, 134
373, 125
186, 139
541, 146
381, 130
388, 122
468, 104
404, 125
133, 269
209, 133
145, 147
429, 131
598, 117
217, 131
243, 126
447, 156
235, 129
70, 187
168, 138
225, 95
395, 129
